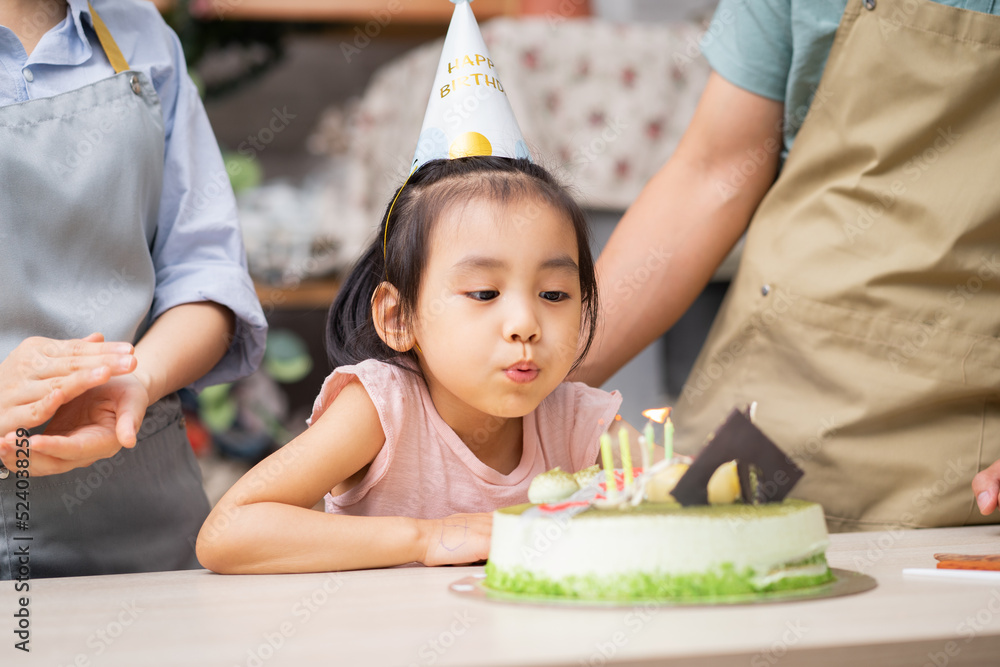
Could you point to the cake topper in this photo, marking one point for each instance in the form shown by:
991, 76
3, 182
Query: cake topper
766, 473
468, 113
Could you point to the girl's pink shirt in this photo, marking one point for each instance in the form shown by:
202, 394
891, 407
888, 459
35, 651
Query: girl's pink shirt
425, 471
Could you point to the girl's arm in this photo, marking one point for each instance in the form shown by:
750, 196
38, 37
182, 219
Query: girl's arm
266, 524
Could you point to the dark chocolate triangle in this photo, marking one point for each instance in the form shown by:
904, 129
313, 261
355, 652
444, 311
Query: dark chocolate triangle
766, 473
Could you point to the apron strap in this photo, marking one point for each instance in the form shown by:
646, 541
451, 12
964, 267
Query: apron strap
108, 43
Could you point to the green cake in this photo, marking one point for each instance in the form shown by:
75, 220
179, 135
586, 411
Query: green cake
658, 550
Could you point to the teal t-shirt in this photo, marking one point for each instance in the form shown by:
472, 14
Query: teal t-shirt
778, 48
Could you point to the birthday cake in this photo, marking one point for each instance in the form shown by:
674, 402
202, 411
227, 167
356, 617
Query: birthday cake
728, 540
658, 550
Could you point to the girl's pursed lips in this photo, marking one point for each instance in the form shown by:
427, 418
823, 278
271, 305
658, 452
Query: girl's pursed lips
522, 372
523, 365
521, 377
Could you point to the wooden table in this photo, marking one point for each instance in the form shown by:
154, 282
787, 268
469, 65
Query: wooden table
407, 616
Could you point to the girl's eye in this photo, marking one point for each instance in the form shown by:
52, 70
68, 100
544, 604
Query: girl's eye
554, 296
483, 295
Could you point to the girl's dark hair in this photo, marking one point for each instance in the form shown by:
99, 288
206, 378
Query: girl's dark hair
350, 332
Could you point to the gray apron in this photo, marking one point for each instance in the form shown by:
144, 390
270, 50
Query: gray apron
81, 175
865, 317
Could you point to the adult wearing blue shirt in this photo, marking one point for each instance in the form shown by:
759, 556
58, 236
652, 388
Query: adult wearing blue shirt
865, 315
117, 218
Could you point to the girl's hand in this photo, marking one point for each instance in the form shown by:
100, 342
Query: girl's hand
458, 539
41, 374
93, 426
986, 486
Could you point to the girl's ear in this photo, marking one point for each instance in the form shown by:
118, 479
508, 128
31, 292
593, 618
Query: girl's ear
387, 315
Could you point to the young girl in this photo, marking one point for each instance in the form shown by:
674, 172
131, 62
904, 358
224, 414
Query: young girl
452, 338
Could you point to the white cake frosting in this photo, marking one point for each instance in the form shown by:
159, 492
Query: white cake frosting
662, 541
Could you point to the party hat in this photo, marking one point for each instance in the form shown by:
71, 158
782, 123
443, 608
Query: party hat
468, 112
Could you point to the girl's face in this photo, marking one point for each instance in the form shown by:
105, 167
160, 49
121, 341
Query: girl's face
498, 316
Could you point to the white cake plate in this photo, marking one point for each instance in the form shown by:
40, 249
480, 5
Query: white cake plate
846, 582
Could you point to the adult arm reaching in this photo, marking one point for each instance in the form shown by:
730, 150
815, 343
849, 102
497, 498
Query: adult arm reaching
684, 223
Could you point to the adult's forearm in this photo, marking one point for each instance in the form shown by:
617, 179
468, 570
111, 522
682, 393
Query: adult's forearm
684, 223
183, 344
657, 262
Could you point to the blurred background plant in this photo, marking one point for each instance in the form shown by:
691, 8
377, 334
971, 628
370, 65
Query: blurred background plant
248, 419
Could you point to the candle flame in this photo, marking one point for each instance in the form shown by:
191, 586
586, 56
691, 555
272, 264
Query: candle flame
618, 418
658, 415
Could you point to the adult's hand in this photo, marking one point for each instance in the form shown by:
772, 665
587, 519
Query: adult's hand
986, 486
41, 374
95, 425
103, 419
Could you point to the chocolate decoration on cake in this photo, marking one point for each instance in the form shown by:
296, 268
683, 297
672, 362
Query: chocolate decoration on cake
766, 473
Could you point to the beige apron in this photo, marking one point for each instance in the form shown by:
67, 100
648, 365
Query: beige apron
865, 314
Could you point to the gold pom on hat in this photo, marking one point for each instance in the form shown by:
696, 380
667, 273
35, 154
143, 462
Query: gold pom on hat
470, 144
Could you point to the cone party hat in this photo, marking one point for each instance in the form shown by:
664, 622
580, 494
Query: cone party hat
468, 113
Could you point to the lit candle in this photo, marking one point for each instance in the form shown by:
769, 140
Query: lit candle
660, 416
668, 439
626, 450
609, 466
650, 440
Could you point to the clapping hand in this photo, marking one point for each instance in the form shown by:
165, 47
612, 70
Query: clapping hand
95, 425
44, 379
